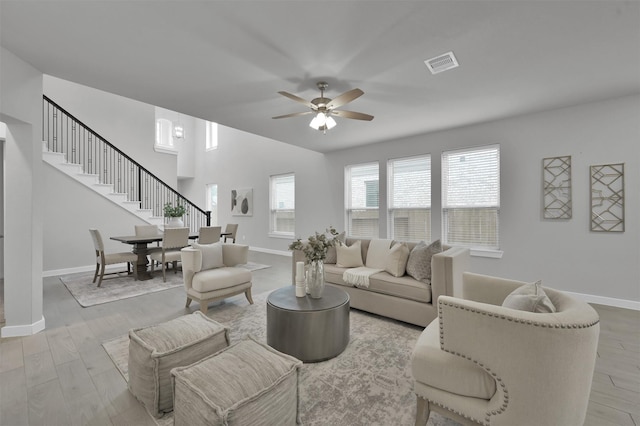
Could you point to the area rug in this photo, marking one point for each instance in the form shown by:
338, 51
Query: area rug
116, 287
370, 383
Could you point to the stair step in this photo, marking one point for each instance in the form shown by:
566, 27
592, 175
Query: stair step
118, 197
103, 188
71, 168
88, 179
54, 157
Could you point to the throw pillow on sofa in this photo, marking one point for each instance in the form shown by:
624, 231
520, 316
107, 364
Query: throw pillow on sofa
397, 260
332, 254
377, 254
211, 255
530, 298
349, 256
419, 262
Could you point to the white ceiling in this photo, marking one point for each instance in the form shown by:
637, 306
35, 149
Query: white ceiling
225, 61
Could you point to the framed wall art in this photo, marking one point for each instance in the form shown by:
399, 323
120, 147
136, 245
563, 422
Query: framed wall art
607, 198
556, 178
242, 202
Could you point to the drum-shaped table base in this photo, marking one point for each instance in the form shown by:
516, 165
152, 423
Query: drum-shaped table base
309, 329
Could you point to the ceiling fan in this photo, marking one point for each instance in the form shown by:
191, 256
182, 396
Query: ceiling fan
324, 108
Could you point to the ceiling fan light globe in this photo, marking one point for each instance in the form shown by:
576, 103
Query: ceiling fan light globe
330, 123
315, 123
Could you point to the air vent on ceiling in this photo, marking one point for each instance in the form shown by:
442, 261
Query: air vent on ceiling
441, 63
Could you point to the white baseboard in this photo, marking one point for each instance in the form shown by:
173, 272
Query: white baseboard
271, 251
67, 271
607, 301
22, 330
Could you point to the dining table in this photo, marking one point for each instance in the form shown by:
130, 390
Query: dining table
141, 248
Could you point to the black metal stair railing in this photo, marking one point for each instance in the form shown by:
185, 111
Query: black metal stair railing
64, 133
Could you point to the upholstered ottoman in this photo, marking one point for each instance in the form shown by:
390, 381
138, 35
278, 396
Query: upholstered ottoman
155, 350
248, 383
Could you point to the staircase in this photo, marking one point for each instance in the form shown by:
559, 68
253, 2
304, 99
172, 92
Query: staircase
76, 150
59, 161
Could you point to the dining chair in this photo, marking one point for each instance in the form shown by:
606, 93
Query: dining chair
232, 229
103, 259
173, 240
209, 234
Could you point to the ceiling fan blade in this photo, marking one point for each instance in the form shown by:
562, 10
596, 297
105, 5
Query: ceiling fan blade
299, 99
352, 114
295, 114
346, 97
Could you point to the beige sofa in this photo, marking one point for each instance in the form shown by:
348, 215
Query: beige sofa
402, 298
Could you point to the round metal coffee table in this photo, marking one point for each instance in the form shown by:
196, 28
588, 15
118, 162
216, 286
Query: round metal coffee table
309, 329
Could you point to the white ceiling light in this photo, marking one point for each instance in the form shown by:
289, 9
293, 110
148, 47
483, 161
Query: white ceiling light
441, 63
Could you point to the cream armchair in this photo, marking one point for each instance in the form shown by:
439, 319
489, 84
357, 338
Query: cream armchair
481, 363
209, 272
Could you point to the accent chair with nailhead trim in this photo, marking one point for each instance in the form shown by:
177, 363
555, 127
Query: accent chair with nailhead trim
482, 363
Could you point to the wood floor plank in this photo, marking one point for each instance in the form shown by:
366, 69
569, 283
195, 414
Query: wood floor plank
602, 415
39, 368
35, 344
75, 380
62, 347
89, 410
627, 382
15, 415
13, 388
47, 405
11, 355
113, 392
82, 336
96, 360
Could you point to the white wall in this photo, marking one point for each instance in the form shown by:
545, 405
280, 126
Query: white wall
564, 254
244, 160
20, 110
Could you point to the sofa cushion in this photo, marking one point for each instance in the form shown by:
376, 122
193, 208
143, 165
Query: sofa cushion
396, 263
382, 282
350, 256
219, 278
211, 255
442, 370
419, 262
332, 255
377, 254
530, 298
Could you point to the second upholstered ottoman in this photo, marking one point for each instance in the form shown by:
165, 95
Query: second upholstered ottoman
155, 350
248, 383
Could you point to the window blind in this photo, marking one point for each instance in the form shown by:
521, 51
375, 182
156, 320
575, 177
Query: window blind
283, 204
362, 200
471, 197
409, 192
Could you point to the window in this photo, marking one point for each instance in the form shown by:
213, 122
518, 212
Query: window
164, 136
471, 197
212, 202
212, 135
409, 191
362, 200
283, 205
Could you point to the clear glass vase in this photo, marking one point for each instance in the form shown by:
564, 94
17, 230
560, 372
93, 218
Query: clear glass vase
315, 279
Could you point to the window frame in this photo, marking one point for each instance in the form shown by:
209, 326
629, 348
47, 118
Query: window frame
164, 137
211, 143
349, 208
274, 209
447, 206
392, 208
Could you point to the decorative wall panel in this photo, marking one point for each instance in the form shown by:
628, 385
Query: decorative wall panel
556, 177
607, 198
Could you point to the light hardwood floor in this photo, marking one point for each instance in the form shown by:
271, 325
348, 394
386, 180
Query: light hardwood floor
63, 376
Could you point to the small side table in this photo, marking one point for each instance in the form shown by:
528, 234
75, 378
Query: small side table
311, 330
